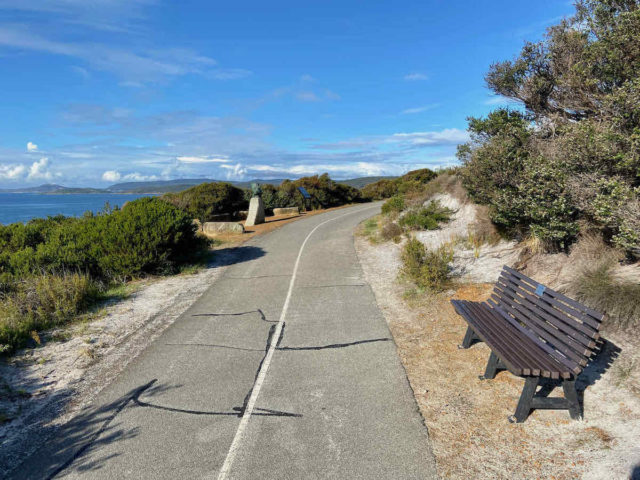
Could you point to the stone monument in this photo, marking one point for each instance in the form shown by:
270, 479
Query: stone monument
256, 207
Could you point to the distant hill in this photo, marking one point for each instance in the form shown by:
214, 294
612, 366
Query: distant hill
51, 188
165, 186
362, 181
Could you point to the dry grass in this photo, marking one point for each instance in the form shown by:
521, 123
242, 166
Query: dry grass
594, 279
467, 417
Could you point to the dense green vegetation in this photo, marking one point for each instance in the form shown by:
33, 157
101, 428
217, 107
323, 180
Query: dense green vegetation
325, 193
568, 162
413, 181
428, 217
206, 200
428, 269
52, 269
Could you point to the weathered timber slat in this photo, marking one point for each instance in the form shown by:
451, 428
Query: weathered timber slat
598, 317
553, 369
528, 302
563, 307
551, 335
578, 321
550, 349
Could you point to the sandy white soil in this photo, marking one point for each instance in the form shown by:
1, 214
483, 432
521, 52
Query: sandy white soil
48, 384
467, 417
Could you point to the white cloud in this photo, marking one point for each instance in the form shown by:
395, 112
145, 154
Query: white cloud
307, 97
135, 66
32, 147
206, 159
39, 170
446, 136
410, 111
413, 77
499, 100
12, 172
235, 171
115, 176
111, 176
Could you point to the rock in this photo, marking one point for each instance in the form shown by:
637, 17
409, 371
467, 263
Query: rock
212, 228
256, 212
286, 211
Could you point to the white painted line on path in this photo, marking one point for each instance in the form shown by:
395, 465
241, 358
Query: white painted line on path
244, 421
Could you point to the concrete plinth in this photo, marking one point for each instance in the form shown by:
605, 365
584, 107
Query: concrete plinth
286, 211
256, 212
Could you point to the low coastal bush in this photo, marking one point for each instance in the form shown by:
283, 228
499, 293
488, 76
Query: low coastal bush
50, 269
428, 269
428, 217
412, 181
325, 193
40, 302
393, 205
206, 200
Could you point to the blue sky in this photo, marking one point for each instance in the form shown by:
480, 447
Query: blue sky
104, 91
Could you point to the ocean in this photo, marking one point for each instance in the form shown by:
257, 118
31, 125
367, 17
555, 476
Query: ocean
21, 207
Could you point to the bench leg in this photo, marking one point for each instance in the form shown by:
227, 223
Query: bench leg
571, 396
524, 405
469, 337
493, 365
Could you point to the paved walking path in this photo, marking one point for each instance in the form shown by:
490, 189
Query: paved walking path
283, 369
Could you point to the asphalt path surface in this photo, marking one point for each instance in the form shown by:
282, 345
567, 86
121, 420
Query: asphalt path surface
283, 369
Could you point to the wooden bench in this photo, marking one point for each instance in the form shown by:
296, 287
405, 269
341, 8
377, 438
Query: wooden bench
534, 332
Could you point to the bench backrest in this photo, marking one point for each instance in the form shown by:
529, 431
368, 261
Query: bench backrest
561, 326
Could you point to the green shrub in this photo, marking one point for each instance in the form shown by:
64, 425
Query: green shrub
426, 218
49, 268
569, 161
380, 190
393, 205
208, 199
426, 268
147, 236
412, 181
41, 302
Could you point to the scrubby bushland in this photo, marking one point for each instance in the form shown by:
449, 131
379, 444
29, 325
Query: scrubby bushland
410, 182
570, 159
43, 301
394, 205
428, 269
428, 217
51, 268
325, 193
208, 199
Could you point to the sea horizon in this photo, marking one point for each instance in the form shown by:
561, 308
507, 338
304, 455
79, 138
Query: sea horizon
22, 207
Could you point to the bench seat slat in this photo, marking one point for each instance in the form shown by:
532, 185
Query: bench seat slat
580, 333
477, 322
566, 309
551, 332
597, 316
516, 349
570, 359
549, 356
510, 347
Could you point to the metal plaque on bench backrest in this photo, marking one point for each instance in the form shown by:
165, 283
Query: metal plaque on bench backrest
540, 289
